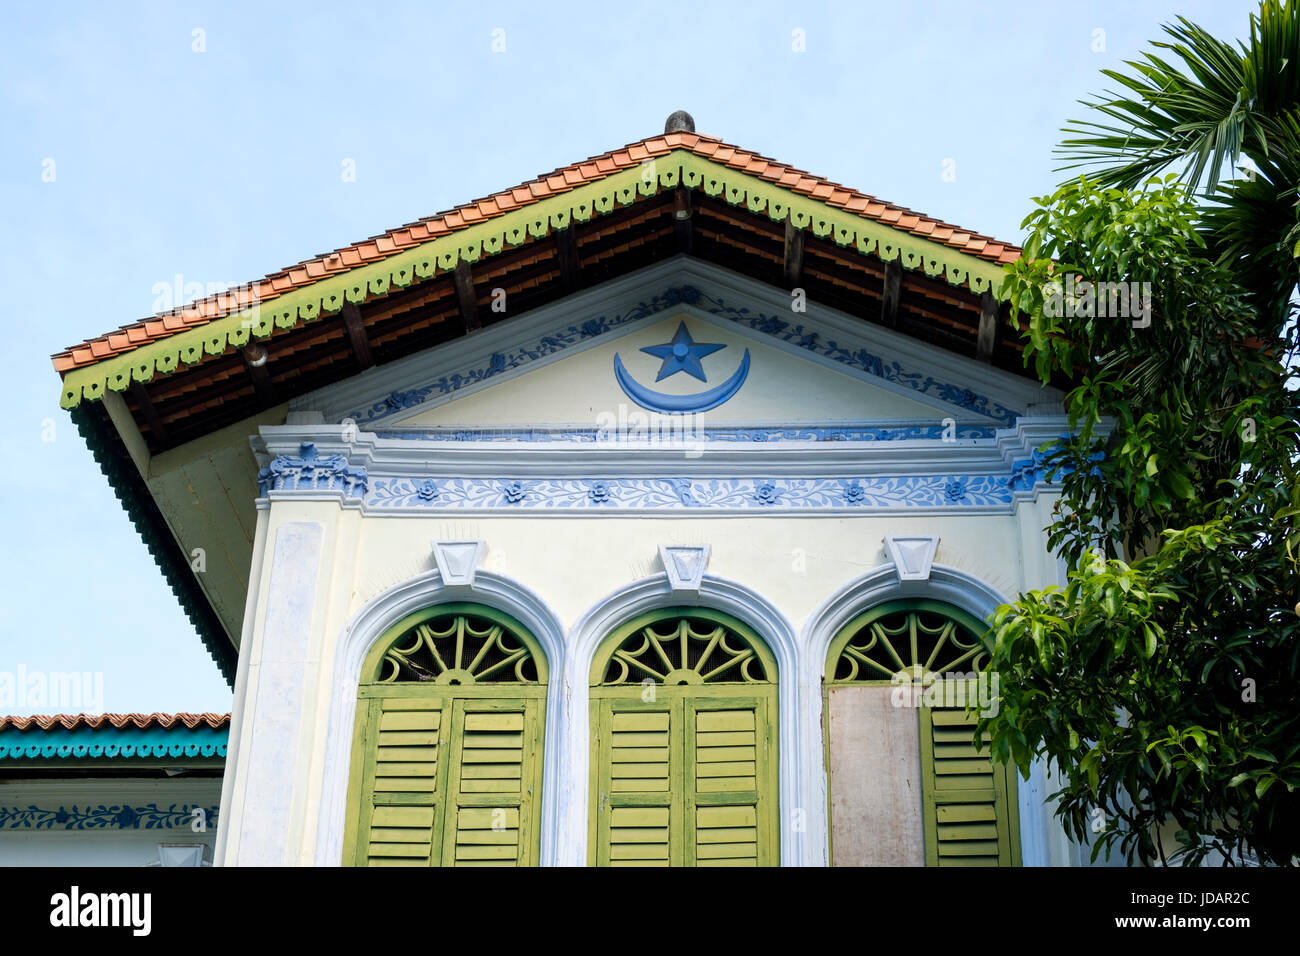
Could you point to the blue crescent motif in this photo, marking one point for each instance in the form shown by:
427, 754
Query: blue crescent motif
679, 404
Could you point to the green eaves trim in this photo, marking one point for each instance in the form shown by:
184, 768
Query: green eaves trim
680, 167
140, 507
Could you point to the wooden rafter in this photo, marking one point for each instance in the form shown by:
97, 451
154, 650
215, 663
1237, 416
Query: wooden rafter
792, 268
356, 330
464, 281
893, 291
566, 254
988, 332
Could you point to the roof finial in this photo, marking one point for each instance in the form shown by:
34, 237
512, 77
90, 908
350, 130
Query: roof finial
680, 122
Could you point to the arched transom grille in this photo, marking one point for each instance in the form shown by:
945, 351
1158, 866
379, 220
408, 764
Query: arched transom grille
684, 650
909, 644
458, 648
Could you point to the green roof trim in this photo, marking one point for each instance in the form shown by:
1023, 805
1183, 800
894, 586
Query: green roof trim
107, 448
680, 167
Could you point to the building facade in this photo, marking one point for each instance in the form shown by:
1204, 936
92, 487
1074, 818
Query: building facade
649, 513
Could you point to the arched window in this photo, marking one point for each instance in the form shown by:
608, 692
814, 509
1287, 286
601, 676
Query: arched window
447, 759
905, 684
684, 761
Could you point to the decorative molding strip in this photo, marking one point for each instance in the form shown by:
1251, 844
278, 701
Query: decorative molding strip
773, 326
534, 221
585, 434
106, 817
727, 494
120, 744
309, 471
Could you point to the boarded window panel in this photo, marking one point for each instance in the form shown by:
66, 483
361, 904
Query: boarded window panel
637, 812
402, 785
969, 818
874, 753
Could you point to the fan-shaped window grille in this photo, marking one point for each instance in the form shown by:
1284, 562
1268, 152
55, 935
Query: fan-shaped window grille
918, 641
684, 649
458, 647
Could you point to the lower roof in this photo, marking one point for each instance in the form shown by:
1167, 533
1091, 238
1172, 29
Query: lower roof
114, 738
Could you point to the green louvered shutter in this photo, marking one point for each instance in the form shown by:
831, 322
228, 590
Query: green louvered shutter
640, 819
494, 768
683, 721
968, 815
400, 806
728, 742
447, 761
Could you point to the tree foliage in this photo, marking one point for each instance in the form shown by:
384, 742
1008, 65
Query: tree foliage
1200, 105
1161, 685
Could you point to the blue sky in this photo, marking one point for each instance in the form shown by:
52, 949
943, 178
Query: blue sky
225, 163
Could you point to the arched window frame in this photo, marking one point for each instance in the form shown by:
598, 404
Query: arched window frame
486, 696
1004, 776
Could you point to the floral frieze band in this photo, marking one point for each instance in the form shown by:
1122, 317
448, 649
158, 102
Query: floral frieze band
688, 435
732, 494
108, 817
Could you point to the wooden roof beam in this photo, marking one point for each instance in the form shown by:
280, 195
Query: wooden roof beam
356, 330
893, 291
566, 254
987, 341
157, 429
464, 282
792, 268
255, 358
683, 220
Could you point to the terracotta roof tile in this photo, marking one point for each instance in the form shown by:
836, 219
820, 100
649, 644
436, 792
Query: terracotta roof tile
560, 180
114, 721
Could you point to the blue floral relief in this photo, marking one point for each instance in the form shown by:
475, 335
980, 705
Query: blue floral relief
552, 494
810, 433
105, 817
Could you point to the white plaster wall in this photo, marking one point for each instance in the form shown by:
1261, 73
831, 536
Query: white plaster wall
571, 565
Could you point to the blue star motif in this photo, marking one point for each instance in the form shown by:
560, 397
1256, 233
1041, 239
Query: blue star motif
682, 354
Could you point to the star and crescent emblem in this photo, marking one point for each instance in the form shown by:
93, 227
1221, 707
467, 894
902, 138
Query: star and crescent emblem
680, 354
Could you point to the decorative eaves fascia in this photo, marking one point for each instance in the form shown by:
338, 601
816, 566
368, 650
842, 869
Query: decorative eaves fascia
473, 242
